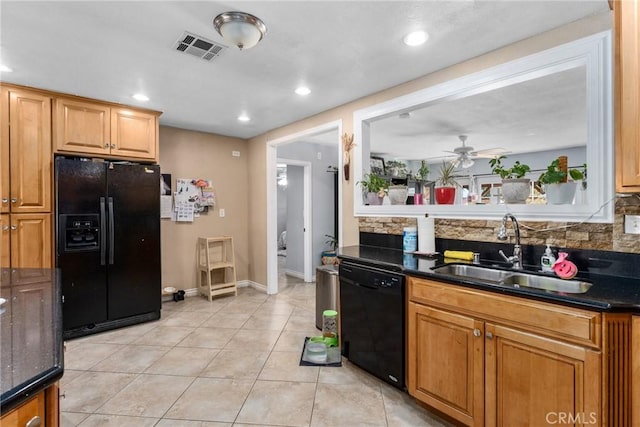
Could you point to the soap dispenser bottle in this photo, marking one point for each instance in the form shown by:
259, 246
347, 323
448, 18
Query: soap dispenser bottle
547, 260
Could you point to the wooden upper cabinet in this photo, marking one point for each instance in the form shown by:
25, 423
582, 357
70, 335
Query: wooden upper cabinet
627, 94
82, 127
4, 150
5, 239
29, 152
31, 241
94, 128
134, 133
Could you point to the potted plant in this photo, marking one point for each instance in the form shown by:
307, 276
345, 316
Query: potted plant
515, 188
374, 186
445, 191
330, 257
557, 189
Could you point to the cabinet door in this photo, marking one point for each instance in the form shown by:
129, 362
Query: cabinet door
25, 413
134, 134
535, 381
31, 241
82, 127
5, 241
4, 150
30, 152
445, 363
627, 95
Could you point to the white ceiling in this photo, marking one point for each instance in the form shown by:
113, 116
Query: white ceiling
342, 50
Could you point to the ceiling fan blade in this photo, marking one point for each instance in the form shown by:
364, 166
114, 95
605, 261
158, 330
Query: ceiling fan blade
490, 152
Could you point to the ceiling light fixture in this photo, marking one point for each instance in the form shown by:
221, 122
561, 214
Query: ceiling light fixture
303, 91
243, 118
140, 97
240, 29
5, 69
416, 38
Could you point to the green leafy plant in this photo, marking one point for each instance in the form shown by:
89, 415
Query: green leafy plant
518, 170
553, 174
423, 172
373, 183
331, 241
448, 177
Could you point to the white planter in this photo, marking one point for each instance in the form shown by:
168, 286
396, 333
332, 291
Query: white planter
560, 194
516, 191
398, 194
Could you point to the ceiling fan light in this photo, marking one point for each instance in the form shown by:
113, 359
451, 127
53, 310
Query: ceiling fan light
240, 29
466, 162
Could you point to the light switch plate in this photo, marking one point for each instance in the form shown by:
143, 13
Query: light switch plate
221, 213
632, 224
235, 153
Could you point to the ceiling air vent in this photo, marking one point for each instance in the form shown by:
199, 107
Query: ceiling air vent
199, 46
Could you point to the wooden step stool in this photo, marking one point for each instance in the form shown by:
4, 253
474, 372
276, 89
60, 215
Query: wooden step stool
216, 266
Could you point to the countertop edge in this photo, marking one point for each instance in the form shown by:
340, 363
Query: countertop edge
16, 396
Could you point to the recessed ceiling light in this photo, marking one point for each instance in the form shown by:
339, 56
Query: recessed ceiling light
303, 90
243, 118
5, 69
140, 97
416, 38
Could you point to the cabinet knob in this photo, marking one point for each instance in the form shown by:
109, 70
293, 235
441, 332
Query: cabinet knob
14, 200
5, 200
14, 227
113, 145
489, 335
106, 145
34, 422
477, 332
5, 227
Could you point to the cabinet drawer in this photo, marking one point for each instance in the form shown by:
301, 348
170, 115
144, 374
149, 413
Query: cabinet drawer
25, 413
553, 320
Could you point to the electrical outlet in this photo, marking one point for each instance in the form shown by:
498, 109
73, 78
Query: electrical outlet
319, 155
632, 224
235, 153
222, 213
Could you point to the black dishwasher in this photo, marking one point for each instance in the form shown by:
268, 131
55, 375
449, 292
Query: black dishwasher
372, 314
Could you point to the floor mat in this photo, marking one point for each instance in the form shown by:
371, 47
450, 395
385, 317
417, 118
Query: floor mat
334, 358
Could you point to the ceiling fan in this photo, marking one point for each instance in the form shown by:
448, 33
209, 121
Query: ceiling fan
466, 154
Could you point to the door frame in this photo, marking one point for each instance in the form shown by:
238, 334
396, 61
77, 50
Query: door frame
272, 191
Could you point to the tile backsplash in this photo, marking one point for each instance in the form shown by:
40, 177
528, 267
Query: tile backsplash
597, 236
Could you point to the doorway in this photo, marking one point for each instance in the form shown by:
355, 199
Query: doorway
331, 132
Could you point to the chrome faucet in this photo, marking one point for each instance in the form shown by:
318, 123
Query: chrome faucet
516, 258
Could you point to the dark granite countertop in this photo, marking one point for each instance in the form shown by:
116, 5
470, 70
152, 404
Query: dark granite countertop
31, 352
608, 293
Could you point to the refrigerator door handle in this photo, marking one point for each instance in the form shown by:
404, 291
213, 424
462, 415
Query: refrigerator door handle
111, 233
103, 232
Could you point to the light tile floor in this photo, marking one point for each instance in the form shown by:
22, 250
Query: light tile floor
230, 362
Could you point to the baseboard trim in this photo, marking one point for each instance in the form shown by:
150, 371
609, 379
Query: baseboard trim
193, 292
295, 274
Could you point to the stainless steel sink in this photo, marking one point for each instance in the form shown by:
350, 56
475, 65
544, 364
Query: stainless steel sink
547, 283
513, 279
481, 274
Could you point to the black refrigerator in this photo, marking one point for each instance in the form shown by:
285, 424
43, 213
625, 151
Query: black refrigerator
107, 243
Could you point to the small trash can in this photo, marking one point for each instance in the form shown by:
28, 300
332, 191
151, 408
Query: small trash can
327, 289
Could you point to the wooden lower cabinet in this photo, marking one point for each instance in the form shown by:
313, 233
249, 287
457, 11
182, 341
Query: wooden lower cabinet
41, 410
5, 241
535, 381
482, 372
446, 362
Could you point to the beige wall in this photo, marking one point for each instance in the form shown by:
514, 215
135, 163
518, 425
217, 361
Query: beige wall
190, 154
257, 149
